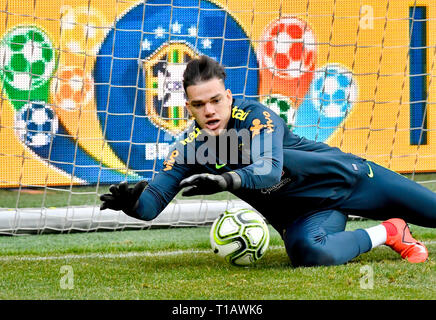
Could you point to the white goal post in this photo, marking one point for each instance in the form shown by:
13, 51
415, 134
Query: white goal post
185, 213
92, 93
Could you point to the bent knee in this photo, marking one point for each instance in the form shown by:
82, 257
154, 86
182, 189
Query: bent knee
308, 253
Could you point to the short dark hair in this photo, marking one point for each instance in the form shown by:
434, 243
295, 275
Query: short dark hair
201, 69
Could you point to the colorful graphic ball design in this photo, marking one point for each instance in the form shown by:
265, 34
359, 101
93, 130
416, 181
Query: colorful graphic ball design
83, 30
27, 58
282, 106
36, 123
72, 88
288, 47
333, 91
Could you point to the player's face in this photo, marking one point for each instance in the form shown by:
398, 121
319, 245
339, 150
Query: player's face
210, 103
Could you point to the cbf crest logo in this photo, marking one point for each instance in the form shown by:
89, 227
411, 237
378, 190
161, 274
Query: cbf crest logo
139, 72
165, 96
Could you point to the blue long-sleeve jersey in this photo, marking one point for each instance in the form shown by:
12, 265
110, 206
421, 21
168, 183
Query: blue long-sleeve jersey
278, 169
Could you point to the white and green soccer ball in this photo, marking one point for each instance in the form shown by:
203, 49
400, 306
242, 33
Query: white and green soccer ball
240, 236
282, 106
27, 58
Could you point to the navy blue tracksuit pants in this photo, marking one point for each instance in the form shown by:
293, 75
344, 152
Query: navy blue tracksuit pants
320, 239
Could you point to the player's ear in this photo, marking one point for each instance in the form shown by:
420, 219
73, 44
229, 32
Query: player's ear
188, 107
229, 94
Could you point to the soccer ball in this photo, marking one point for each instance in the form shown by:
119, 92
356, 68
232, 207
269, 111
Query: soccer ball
282, 106
83, 29
36, 123
287, 58
288, 47
333, 91
72, 88
240, 236
27, 58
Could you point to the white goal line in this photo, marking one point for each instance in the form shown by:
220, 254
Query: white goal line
114, 255
129, 254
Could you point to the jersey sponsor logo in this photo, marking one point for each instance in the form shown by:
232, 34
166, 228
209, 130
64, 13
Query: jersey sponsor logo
170, 162
191, 136
239, 113
257, 126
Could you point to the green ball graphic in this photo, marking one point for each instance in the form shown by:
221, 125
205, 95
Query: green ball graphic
27, 59
283, 107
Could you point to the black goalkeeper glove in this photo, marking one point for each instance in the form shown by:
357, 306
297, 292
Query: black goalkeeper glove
206, 183
122, 197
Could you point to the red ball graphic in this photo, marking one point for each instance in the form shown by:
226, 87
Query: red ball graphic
287, 58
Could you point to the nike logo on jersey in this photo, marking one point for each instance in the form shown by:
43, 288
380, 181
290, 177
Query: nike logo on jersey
219, 166
370, 174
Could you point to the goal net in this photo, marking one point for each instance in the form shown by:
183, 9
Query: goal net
92, 93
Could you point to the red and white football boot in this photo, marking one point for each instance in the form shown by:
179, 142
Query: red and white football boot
400, 239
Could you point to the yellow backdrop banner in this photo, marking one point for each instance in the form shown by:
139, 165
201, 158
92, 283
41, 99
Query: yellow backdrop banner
91, 90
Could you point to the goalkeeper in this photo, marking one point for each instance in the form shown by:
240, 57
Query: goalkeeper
305, 189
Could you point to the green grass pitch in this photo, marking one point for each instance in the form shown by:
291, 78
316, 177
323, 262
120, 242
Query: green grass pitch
177, 263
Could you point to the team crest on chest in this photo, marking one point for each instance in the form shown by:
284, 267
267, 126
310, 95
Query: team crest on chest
165, 97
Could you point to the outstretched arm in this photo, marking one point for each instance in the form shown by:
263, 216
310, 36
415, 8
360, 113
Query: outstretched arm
160, 192
144, 200
122, 197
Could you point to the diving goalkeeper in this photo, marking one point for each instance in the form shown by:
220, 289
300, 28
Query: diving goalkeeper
305, 189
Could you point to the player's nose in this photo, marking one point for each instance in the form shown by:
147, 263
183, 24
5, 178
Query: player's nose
209, 109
